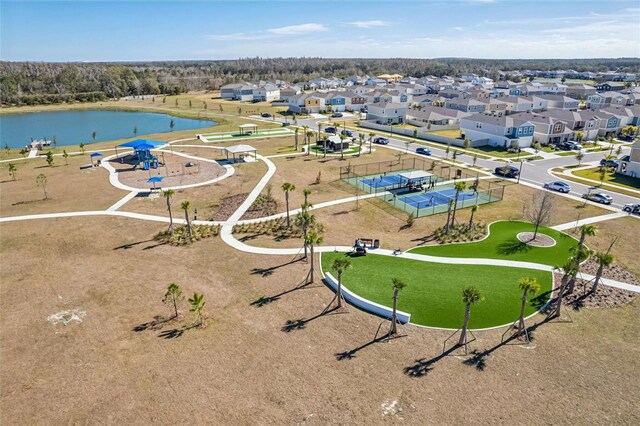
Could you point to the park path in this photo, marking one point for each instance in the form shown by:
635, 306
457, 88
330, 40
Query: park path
589, 221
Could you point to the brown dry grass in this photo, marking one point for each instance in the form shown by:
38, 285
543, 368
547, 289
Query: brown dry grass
68, 188
243, 369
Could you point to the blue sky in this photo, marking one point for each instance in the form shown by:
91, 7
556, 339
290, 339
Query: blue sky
173, 30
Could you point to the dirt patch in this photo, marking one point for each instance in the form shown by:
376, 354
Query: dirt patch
541, 240
228, 206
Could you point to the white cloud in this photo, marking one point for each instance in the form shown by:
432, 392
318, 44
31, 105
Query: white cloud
238, 36
458, 28
482, 1
298, 29
369, 24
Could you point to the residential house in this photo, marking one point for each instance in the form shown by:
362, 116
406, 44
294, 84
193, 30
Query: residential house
610, 86
586, 121
268, 93
505, 131
286, 93
580, 91
387, 112
466, 105
228, 91
630, 164
336, 101
433, 115
306, 103
611, 124
605, 99
515, 104
547, 130
554, 89
355, 101
557, 102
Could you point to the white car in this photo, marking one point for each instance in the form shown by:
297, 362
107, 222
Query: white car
558, 186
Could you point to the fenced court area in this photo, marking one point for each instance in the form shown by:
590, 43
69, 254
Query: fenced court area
241, 134
418, 186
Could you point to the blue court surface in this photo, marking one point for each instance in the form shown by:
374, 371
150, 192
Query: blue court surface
383, 181
435, 198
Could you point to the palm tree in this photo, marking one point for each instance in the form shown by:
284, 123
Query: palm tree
604, 260
81, 146
339, 265
397, 285
168, 194
570, 272
185, 206
470, 296
305, 221
41, 180
529, 286
287, 187
371, 136
306, 192
305, 133
319, 129
447, 227
173, 294
474, 208
312, 240
65, 155
295, 140
459, 186
197, 307
309, 136
587, 231
342, 138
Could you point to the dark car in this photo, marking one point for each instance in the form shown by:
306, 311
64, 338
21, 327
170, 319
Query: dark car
598, 197
632, 208
336, 115
381, 141
330, 130
423, 151
348, 133
285, 124
609, 163
266, 115
508, 171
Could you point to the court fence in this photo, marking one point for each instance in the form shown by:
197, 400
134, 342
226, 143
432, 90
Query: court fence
430, 195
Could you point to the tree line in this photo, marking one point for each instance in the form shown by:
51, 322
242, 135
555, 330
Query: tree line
41, 82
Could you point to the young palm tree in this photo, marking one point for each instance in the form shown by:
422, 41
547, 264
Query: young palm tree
305, 221
587, 231
459, 186
570, 272
470, 296
185, 206
41, 180
305, 133
447, 226
371, 136
168, 194
295, 140
529, 286
309, 136
173, 294
342, 138
65, 155
339, 265
604, 261
288, 187
319, 130
197, 307
474, 208
312, 240
12, 170
397, 285
306, 192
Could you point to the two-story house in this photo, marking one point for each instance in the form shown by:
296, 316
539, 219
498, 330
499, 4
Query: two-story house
557, 102
387, 112
585, 121
630, 164
580, 91
547, 130
505, 131
466, 105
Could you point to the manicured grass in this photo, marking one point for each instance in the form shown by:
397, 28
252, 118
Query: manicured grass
351, 150
433, 295
447, 133
610, 178
503, 244
496, 152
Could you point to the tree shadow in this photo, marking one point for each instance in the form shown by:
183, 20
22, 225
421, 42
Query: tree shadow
265, 300
299, 324
424, 240
513, 246
542, 299
250, 237
422, 366
265, 272
158, 322
350, 354
152, 246
130, 245
175, 333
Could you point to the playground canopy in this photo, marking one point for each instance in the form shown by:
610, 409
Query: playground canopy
154, 180
248, 128
96, 154
241, 150
136, 144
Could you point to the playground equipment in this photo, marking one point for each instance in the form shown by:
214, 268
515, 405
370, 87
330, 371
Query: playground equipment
142, 153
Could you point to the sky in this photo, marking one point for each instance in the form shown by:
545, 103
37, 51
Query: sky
61, 31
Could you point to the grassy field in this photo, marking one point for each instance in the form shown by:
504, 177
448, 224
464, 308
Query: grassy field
433, 292
447, 133
503, 244
610, 178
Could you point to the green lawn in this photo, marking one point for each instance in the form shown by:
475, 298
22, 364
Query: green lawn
610, 178
433, 295
496, 151
455, 134
503, 244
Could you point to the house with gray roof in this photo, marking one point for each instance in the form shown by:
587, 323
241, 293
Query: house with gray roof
387, 112
505, 131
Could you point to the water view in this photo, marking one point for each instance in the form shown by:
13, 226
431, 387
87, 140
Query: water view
75, 127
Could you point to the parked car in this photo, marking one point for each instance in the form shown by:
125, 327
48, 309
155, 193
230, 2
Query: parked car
568, 146
381, 141
609, 163
348, 133
266, 115
423, 151
632, 208
598, 197
508, 171
330, 130
285, 124
558, 186
336, 115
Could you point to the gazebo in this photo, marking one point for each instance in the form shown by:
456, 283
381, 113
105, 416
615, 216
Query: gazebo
416, 176
248, 128
241, 151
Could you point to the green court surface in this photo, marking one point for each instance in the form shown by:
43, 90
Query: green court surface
433, 295
503, 244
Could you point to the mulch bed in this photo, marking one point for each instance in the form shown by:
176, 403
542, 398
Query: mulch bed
228, 206
605, 297
541, 240
614, 272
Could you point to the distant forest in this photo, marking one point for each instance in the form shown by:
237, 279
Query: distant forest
34, 83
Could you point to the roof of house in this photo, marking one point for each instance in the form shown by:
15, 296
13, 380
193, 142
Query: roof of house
504, 121
385, 105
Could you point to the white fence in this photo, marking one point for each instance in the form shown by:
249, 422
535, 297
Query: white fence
365, 304
422, 134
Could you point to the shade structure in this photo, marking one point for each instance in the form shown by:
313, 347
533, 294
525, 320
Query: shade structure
155, 179
142, 144
96, 154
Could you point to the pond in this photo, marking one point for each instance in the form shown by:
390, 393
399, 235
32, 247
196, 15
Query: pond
75, 127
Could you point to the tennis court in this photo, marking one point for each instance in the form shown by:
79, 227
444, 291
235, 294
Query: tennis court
383, 181
436, 198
